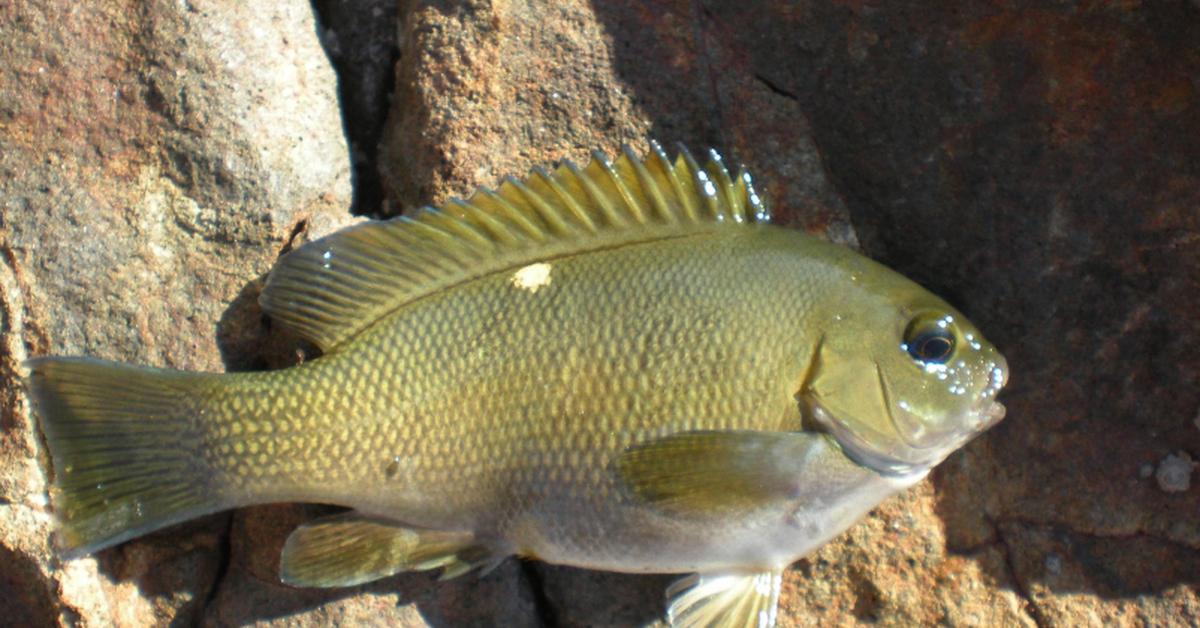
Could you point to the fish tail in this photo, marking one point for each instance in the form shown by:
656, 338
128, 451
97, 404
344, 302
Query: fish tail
126, 448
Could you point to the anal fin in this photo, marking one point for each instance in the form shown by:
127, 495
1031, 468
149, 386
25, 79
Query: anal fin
348, 549
725, 600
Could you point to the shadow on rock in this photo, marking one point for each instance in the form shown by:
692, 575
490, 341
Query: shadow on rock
250, 341
363, 52
693, 79
251, 590
581, 597
25, 598
172, 567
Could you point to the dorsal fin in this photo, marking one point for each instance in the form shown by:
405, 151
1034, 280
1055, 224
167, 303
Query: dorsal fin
330, 289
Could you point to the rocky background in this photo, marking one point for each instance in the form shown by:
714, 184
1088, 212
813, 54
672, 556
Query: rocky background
1037, 165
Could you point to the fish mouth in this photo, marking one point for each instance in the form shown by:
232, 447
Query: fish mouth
909, 458
858, 449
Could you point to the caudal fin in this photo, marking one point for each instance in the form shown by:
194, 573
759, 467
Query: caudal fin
125, 446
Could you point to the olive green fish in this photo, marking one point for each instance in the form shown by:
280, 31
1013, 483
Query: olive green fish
620, 367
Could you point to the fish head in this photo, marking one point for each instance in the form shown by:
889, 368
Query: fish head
899, 377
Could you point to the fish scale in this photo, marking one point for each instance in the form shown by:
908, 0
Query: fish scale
510, 412
618, 367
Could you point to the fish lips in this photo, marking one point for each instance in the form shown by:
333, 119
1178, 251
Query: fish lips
904, 458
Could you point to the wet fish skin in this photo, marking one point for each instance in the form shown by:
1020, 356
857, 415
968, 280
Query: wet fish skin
620, 368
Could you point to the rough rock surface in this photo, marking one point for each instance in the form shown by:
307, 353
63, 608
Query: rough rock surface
1037, 166
154, 164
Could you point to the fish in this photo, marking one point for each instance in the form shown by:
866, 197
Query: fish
622, 367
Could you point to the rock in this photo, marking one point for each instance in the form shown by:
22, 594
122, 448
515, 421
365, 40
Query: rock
1174, 473
894, 569
155, 161
485, 90
1035, 165
360, 39
1076, 579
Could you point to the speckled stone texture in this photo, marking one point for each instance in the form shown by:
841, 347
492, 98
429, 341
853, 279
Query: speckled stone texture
1037, 165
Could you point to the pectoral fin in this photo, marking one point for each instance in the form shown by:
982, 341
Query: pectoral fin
728, 600
348, 549
715, 472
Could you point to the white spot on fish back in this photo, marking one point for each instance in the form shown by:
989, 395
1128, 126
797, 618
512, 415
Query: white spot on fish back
532, 277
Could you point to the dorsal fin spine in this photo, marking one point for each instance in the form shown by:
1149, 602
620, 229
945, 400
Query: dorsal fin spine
632, 208
522, 221
432, 228
649, 186
720, 176
708, 192
687, 203
553, 219
762, 213
701, 184
596, 195
567, 199
459, 233
501, 232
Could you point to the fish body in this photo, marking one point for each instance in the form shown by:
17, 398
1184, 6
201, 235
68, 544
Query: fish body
622, 368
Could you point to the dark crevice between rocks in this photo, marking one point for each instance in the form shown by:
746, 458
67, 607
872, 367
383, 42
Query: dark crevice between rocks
299, 228
700, 16
541, 601
363, 53
776, 88
26, 599
224, 558
1031, 607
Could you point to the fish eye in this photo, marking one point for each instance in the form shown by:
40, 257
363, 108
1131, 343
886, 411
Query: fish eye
929, 340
